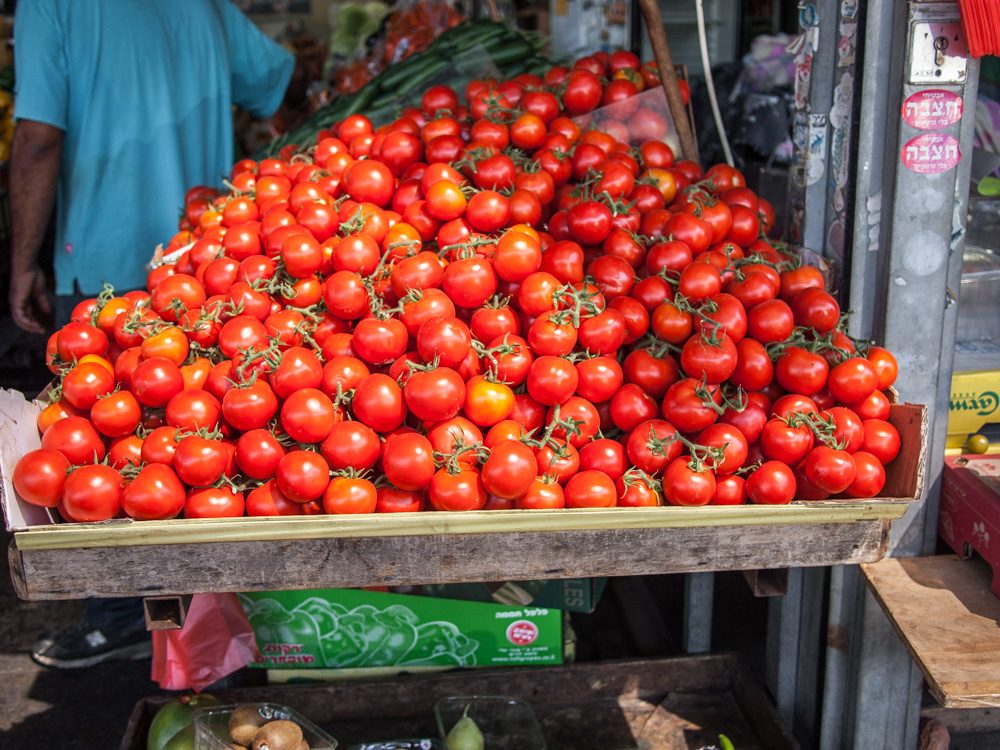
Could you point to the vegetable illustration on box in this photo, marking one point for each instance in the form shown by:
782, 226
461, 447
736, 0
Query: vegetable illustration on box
359, 629
362, 636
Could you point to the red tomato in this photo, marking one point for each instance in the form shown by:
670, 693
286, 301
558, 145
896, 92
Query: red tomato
551, 380
729, 490
881, 440
192, 410
39, 476
91, 493
638, 490
351, 445
394, 500
302, 476
408, 461
369, 181
267, 500
156, 381
582, 92
730, 441
691, 406
258, 453
653, 444
116, 415
829, 469
378, 403
456, 492
684, 485
249, 407
154, 494
85, 383
773, 483
869, 477
590, 489
780, 440
558, 458
542, 495
214, 502
711, 361
754, 369
76, 439
307, 415
200, 462
885, 366
605, 455
510, 469
350, 495
853, 380
801, 371
816, 308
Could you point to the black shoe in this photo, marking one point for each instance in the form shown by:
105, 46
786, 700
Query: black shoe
83, 645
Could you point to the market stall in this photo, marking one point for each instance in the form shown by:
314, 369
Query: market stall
478, 319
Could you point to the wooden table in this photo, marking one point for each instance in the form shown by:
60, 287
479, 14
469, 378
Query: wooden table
944, 611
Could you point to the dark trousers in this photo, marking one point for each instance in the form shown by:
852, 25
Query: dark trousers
103, 614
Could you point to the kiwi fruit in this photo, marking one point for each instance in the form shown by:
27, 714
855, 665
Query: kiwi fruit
244, 723
234, 746
278, 735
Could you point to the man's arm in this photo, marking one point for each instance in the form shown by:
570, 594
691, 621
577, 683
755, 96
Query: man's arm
34, 171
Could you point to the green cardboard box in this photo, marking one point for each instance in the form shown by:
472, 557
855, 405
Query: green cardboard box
354, 628
570, 594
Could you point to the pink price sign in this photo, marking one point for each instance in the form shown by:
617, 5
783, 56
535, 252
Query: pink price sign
933, 109
931, 153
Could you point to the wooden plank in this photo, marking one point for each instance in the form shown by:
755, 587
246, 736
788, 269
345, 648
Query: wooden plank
607, 705
945, 613
181, 531
385, 561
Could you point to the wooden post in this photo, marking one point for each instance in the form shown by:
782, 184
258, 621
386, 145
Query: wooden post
491, 5
665, 62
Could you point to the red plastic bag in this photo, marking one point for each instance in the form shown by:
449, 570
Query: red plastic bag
215, 641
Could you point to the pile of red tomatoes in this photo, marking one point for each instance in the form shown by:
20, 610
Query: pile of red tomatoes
478, 306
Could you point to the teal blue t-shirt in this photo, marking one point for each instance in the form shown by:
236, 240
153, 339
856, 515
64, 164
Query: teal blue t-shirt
144, 91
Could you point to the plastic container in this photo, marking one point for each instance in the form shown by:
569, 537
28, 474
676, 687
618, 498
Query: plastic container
979, 299
211, 726
506, 723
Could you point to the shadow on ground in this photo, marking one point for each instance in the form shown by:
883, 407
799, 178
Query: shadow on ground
40, 708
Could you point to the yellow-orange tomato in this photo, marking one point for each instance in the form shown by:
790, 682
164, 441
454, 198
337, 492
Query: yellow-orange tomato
525, 229
196, 373
402, 239
97, 360
169, 342
633, 75
665, 182
109, 313
53, 413
487, 403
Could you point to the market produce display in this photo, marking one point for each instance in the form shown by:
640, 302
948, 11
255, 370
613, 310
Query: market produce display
473, 49
407, 28
200, 721
481, 305
173, 725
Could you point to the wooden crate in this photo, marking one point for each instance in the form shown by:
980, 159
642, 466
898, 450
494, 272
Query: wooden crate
666, 704
181, 556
